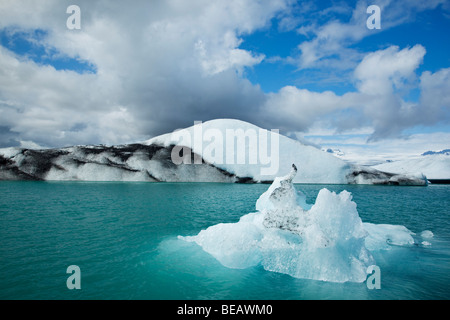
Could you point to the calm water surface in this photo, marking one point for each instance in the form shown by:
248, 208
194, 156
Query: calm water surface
123, 236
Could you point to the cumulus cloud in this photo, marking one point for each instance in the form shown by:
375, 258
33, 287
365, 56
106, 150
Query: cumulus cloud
435, 97
292, 107
330, 44
383, 71
382, 78
233, 58
160, 65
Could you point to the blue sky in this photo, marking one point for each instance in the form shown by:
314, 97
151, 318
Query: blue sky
311, 69
29, 45
429, 28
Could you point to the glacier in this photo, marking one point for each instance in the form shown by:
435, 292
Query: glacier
316, 166
435, 166
133, 162
151, 161
324, 241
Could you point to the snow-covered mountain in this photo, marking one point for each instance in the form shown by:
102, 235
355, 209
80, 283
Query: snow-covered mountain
221, 150
434, 165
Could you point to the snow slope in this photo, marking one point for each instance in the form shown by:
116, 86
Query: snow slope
314, 165
433, 166
222, 150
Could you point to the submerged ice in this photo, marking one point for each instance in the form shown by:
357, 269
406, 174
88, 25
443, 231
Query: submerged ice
324, 241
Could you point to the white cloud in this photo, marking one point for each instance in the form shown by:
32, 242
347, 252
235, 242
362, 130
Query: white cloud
160, 65
163, 64
383, 71
383, 77
48, 106
299, 108
330, 44
435, 97
222, 60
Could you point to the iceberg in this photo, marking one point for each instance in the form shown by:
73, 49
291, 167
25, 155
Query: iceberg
324, 241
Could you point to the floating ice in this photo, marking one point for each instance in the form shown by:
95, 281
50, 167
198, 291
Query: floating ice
427, 234
324, 241
383, 236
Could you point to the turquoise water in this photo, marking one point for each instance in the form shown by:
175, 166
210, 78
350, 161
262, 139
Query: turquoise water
123, 236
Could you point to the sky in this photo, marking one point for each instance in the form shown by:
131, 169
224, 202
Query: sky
311, 69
